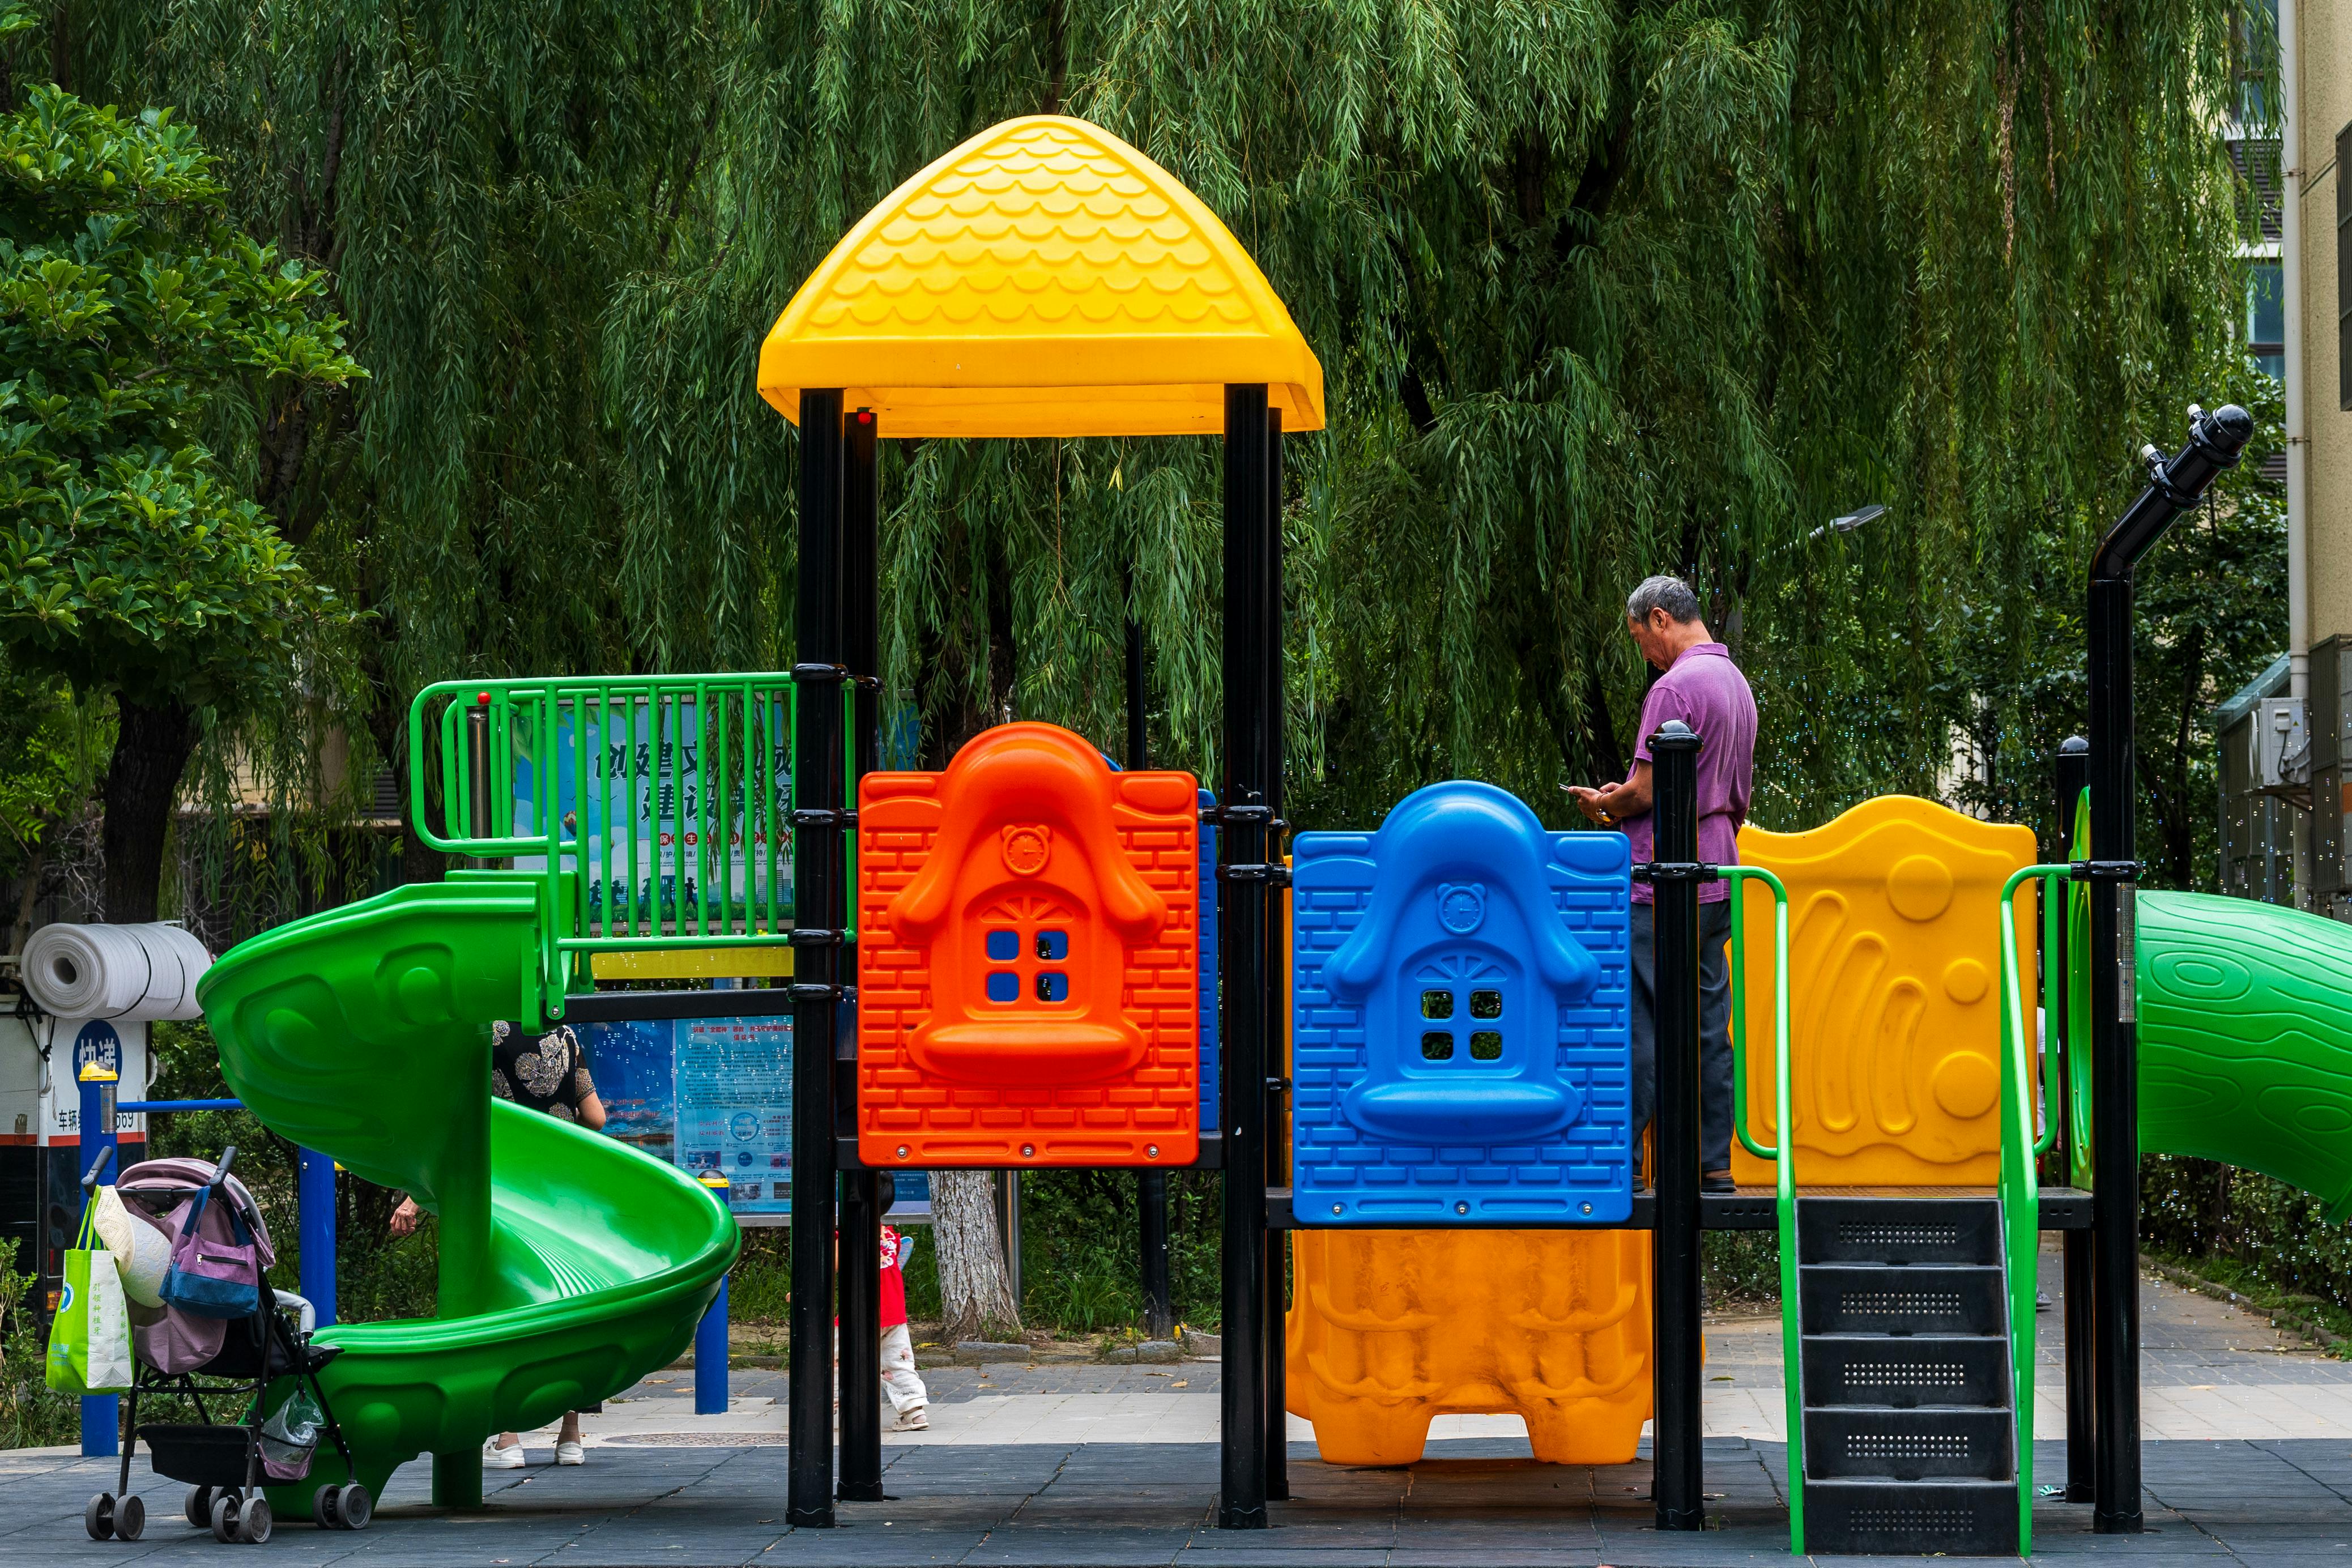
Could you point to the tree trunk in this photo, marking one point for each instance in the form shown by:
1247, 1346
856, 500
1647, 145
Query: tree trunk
975, 1291
151, 752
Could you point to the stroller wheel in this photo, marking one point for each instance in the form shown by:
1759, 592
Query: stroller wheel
322, 1509
225, 1518
129, 1517
354, 1507
254, 1522
200, 1507
99, 1516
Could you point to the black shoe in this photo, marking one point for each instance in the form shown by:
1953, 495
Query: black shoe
1719, 1182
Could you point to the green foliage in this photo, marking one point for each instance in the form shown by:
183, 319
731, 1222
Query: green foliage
377, 1275
1081, 1249
2261, 1232
128, 307
31, 1416
50, 748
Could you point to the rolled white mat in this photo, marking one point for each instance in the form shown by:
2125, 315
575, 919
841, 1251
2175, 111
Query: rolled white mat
131, 973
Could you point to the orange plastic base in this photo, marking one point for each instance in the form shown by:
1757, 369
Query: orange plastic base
1028, 959
1389, 1330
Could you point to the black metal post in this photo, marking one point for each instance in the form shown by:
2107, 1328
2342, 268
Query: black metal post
1150, 1186
2074, 774
1677, 1486
1277, 975
1240, 899
817, 906
861, 1207
477, 774
2175, 485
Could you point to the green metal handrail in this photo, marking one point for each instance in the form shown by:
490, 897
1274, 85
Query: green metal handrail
698, 767
2020, 1195
1735, 875
1783, 1152
2052, 1111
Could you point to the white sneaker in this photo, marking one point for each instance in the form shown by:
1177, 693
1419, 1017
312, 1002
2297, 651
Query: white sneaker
570, 1453
912, 1421
497, 1458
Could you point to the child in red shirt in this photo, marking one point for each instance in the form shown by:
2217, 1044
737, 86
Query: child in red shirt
909, 1397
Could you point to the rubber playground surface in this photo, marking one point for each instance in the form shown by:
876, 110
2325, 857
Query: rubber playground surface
2248, 1458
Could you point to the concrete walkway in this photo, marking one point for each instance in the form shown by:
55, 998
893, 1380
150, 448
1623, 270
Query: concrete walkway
2249, 1458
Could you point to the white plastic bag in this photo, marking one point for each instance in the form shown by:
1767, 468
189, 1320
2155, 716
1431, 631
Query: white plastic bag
142, 1253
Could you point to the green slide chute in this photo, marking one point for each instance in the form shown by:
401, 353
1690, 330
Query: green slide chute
2245, 1039
571, 1265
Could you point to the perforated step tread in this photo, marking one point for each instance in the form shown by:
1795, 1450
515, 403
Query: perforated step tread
1898, 1231
1902, 1302
1900, 1518
1927, 1443
1841, 1369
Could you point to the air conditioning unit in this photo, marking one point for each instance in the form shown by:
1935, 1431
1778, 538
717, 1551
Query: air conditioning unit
2283, 744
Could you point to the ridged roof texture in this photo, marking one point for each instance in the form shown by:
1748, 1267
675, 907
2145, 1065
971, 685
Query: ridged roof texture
1043, 278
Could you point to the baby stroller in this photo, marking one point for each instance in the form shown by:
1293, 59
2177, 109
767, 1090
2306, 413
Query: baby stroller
225, 1463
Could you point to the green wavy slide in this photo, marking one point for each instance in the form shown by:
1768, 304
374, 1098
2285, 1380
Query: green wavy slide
571, 1265
2245, 1039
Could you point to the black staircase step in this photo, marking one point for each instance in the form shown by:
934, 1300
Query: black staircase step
1898, 1230
1925, 1299
1929, 1443
1869, 1369
1955, 1518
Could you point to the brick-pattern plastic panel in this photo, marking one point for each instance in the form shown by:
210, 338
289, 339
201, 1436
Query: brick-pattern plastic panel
1390, 1329
1459, 1018
1028, 970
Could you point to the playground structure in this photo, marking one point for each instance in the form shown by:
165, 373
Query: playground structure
1003, 965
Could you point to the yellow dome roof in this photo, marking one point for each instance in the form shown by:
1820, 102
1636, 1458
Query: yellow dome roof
1043, 278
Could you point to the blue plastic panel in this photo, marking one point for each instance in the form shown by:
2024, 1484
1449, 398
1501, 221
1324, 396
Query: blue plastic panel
1459, 1018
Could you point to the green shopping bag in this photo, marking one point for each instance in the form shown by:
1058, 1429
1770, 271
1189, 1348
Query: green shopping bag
90, 1338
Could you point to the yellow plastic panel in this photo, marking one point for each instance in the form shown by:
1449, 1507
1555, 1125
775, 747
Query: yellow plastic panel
1390, 1329
1043, 278
1895, 960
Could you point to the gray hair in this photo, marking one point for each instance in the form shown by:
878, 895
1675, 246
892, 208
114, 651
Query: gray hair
1671, 594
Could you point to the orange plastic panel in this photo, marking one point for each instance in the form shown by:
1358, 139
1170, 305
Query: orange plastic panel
1390, 1329
1895, 960
1027, 984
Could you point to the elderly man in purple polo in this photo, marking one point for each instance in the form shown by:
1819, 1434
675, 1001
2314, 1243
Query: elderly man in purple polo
1701, 686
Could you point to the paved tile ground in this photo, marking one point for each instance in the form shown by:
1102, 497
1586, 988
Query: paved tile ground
1106, 1466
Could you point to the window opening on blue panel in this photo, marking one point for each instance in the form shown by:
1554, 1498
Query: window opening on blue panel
1437, 1004
1437, 1045
1004, 946
1485, 1045
1004, 986
1486, 1003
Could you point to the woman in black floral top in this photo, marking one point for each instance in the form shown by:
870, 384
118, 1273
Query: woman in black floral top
546, 1073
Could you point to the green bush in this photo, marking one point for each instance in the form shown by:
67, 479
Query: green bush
2258, 1230
30, 1415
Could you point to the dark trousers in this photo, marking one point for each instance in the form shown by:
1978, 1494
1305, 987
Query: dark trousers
1714, 1030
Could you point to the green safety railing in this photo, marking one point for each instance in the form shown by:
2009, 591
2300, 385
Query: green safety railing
2022, 1094
1782, 1155
657, 810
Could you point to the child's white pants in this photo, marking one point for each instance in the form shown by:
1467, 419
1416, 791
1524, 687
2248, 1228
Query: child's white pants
900, 1379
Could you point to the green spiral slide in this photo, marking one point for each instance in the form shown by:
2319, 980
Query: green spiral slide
2245, 1039
571, 1265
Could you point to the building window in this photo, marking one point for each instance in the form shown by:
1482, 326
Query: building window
2264, 325
2343, 273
